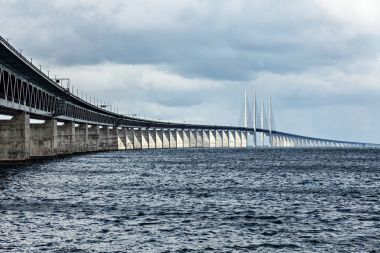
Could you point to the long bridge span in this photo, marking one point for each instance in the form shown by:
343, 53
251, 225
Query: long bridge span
74, 125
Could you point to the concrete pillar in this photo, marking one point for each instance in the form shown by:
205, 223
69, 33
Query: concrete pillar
130, 138
186, 138
231, 138
225, 138
152, 139
159, 138
218, 139
122, 138
66, 138
238, 139
15, 138
137, 139
291, 142
199, 138
144, 138
193, 138
275, 141
212, 138
206, 138
93, 138
179, 138
255, 139
115, 141
43, 139
81, 138
166, 138
244, 138
104, 135
173, 138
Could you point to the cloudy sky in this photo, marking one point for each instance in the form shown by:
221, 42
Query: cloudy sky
192, 59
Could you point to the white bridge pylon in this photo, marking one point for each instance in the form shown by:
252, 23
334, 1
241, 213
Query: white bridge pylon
260, 123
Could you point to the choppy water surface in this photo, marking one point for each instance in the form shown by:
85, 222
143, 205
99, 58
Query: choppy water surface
194, 201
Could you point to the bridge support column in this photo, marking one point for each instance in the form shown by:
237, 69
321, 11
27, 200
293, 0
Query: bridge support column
199, 138
93, 138
225, 139
186, 138
66, 138
116, 136
179, 138
137, 139
104, 141
173, 138
278, 144
43, 139
81, 138
144, 138
255, 139
206, 138
122, 138
193, 138
231, 139
152, 139
218, 139
244, 139
238, 139
166, 138
14, 138
213, 139
130, 138
274, 140
159, 138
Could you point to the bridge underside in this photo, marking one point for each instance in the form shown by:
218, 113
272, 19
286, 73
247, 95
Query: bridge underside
20, 140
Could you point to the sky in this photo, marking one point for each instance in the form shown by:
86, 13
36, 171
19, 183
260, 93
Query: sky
191, 60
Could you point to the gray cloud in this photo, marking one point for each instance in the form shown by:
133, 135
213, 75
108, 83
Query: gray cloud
303, 53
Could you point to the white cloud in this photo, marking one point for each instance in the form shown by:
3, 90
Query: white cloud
357, 16
103, 76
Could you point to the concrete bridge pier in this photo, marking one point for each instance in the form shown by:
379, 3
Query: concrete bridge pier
218, 139
205, 139
130, 138
43, 139
159, 138
137, 139
193, 138
119, 138
179, 138
14, 138
152, 139
212, 135
172, 138
66, 138
199, 138
231, 139
225, 139
81, 138
244, 139
93, 138
166, 138
186, 138
144, 138
238, 143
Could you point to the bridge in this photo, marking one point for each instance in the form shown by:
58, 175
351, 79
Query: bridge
72, 124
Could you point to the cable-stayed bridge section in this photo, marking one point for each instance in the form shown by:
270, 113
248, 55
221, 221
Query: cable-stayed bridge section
72, 124
262, 123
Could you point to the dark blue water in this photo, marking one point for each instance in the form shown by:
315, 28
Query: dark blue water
194, 201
